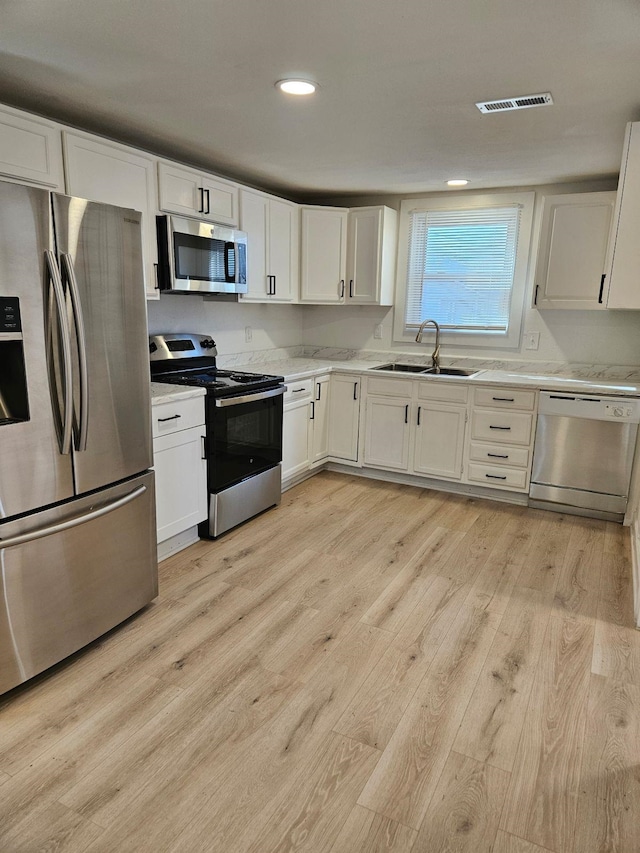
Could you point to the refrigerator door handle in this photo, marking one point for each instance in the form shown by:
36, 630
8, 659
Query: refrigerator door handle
77, 520
58, 291
81, 338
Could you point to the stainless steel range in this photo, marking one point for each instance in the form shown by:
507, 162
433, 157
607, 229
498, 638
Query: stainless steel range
243, 423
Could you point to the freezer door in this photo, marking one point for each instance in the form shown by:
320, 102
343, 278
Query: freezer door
71, 573
33, 470
100, 255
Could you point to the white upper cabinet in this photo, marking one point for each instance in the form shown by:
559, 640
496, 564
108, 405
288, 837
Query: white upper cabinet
191, 193
114, 174
30, 149
371, 255
624, 281
272, 247
323, 254
348, 256
572, 255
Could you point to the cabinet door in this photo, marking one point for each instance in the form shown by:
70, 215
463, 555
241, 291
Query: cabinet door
320, 415
283, 249
386, 442
180, 190
363, 259
625, 263
572, 258
220, 200
112, 174
254, 217
439, 440
30, 149
296, 424
181, 481
344, 414
323, 254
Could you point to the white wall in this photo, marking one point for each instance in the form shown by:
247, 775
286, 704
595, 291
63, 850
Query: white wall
601, 337
271, 325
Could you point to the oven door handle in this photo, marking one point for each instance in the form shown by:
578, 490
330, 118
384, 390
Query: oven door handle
251, 398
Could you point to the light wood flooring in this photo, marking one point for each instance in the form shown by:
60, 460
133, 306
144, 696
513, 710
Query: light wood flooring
367, 668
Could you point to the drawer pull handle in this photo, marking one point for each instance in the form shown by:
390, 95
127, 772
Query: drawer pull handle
172, 418
498, 455
298, 390
504, 399
406, 414
499, 427
355, 390
495, 477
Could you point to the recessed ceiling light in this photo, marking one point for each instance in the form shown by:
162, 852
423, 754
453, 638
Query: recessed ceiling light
297, 87
457, 182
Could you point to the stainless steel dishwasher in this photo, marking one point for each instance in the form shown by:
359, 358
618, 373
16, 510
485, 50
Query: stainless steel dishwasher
583, 453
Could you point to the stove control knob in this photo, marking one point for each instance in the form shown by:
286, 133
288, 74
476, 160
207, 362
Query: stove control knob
208, 343
153, 347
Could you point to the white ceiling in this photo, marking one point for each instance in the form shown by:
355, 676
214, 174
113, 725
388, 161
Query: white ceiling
399, 80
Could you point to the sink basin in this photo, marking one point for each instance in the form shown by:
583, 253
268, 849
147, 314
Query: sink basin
403, 368
449, 371
429, 371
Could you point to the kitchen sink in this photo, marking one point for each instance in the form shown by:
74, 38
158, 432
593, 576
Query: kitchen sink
426, 371
403, 368
449, 371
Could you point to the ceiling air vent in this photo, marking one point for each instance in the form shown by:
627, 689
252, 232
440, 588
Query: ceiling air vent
522, 102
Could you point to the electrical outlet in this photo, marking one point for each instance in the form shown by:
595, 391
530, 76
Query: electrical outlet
377, 332
248, 334
531, 340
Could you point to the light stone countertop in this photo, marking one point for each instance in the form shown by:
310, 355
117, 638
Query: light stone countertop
294, 369
163, 393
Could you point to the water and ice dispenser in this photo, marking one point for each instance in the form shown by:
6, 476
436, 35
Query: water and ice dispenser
14, 404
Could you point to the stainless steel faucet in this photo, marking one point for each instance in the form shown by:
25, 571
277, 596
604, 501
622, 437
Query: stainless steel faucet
435, 355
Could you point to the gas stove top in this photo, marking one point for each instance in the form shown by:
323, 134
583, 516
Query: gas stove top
220, 382
191, 360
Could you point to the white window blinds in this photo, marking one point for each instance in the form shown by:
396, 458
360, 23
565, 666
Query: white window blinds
461, 266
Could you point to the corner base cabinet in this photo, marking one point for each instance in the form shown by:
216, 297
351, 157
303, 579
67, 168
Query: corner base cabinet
181, 470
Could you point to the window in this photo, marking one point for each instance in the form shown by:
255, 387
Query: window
465, 262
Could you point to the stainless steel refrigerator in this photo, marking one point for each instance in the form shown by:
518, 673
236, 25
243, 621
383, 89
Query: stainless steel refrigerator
77, 512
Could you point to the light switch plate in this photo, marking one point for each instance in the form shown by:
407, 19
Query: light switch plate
377, 332
248, 334
531, 340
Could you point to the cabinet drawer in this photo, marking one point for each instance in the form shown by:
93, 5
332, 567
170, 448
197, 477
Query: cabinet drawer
447, 392
389, 387
298, 390
493, 475
501, 427
497, 454
505, 398
177, 416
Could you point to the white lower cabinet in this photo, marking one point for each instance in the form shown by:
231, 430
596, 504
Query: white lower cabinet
180, 466
421, 432
500, 446
386, 432
319, 436
439, 440
296, 420
305, 427
344, 417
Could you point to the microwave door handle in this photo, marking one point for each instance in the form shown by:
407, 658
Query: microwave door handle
81, 338
66, 427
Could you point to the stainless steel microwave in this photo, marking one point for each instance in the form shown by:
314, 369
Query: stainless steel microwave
200, 257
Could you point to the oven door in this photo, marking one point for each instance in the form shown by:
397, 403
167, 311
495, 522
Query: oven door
244, 436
